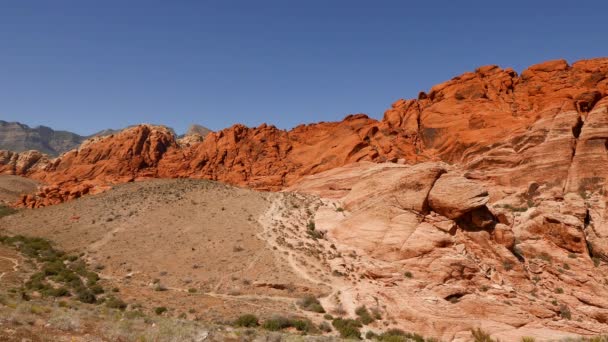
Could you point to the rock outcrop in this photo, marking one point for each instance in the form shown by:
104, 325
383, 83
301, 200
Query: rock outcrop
513, 272
453, 196
506, 129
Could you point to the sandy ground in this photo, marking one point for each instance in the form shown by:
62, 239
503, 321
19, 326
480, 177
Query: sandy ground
198, 241
11, 187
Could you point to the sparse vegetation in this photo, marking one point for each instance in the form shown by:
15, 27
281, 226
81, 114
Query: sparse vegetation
313, 232
507, 265
160, 310
310, 303
481, 336
408, 274
364, 316
60, 275
115, 303
348, 328
5, 211
278, 323
559, 290
398, 335
325, 327
546, 257
528, 339
247, 320
564, 312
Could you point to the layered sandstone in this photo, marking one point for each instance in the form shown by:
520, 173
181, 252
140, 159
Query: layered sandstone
500, 127
509, 270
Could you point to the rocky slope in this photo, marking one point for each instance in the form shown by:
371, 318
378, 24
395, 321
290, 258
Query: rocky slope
443, 258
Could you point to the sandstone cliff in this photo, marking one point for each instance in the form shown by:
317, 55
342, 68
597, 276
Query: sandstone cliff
506, 128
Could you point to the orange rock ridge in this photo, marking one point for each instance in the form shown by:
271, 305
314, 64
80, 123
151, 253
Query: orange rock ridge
502, 127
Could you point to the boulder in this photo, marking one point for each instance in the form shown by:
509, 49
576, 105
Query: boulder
453, 196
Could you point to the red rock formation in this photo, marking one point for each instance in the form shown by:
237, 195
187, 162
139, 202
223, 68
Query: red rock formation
503, 128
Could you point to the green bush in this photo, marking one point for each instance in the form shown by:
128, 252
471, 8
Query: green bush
56, 292
86, 296
302, 325
5, 211
310, 303
564, 312
325, 327
115, 303
54, 268
481, 336
247, 320
398, 335
160, 310
364, 316
96, 289
348, 328
276, 323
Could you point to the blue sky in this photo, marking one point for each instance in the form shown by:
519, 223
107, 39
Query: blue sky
88, 65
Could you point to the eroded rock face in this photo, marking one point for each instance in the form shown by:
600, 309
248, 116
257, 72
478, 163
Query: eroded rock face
502, 127
23, 163
453, 196
511, 270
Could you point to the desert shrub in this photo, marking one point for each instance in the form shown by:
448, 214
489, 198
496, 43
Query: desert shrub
564, 312
92, 278
559, 290
96, 289
371, 335
481, 336
528, 339
310, 303
507, 265
328, 317
348, 328
86, 296
5, 211
325, 327
53, 268
398, 335
545, 256
115, 303
56, 292
276, 323
247, 320
304, 325
191, 290
408, 274
160, 310
364, 316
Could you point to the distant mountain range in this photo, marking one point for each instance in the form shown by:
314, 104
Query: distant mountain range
18, 137
15, 136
